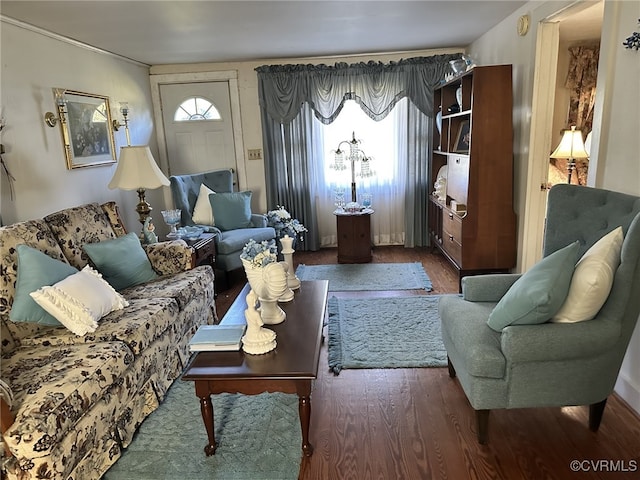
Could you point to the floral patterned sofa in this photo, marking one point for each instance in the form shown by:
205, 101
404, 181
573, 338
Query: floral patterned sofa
77, 400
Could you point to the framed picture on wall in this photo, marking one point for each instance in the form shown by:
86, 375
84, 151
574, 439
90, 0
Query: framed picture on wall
463, 138
87, 134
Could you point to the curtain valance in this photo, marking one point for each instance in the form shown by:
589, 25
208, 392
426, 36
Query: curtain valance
376, 86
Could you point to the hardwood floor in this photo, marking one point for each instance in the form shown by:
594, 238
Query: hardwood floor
417, 424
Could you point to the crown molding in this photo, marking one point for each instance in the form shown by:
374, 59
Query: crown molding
70, 41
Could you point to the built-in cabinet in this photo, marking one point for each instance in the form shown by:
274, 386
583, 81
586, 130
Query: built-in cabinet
474, 224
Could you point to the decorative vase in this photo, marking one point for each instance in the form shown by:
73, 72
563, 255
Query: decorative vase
269, 283
288, 294
439, 121
459, 96
287, 251
257, 339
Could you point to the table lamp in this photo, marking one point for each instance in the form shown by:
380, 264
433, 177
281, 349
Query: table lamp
137, 170
354, 155
571, 147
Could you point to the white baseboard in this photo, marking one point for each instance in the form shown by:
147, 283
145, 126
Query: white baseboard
629, 392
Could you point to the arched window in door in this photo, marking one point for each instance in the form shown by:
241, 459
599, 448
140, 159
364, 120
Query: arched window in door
195, 109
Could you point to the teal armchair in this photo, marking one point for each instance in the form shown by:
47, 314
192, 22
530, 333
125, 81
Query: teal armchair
229, 243
549, 364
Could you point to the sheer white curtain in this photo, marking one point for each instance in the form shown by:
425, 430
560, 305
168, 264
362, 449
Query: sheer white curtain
385, 142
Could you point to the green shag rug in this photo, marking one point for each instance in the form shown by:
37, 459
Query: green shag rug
258, 437
368, 276
397, 332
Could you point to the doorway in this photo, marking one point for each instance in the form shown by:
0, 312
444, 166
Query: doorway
197, 125
579, 23
187, 151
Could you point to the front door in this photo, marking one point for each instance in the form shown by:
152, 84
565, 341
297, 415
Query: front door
198, 127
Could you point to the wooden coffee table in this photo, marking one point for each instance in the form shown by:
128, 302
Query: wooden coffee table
290, 368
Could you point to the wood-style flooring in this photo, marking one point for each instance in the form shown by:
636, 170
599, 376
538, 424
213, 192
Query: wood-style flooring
417, 424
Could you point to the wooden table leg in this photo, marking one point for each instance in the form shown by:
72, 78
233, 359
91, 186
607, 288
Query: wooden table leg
304, 411
206, 408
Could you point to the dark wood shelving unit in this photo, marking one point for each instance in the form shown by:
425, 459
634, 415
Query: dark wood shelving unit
479, 235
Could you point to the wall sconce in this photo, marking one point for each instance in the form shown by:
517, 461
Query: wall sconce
61, 104
124, 110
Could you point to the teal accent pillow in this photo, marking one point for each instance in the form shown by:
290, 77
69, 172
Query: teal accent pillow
35, 270
122, 261
231, 210
538, 294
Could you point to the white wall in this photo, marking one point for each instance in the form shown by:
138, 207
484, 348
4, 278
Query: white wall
33, 64
616, 118
618, 165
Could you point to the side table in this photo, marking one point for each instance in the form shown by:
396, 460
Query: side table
354, 236
204, 252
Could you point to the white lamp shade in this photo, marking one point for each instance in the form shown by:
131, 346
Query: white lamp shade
137, 169
571, 145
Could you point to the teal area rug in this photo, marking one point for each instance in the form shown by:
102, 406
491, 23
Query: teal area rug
368, 276
397, 332
258, 437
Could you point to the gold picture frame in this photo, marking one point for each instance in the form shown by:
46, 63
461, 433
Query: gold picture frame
87, 135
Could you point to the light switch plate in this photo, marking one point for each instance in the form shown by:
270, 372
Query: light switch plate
254, 153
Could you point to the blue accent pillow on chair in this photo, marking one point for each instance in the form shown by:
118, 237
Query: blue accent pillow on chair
122, 261
537, 295
231, 210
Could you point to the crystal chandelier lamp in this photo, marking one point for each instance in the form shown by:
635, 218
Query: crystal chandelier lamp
355, 156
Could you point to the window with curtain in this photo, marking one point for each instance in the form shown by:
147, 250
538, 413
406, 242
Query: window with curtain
298, 101
382, 141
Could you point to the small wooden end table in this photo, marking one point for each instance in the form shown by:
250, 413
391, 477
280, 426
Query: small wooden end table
204, 250
204, 253
290, 368
354, 236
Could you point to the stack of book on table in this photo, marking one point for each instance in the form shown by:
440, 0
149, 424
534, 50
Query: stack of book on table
211, 338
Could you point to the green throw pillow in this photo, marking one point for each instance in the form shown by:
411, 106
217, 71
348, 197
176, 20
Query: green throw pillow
537, 295
231, 210
35, 270
122, 261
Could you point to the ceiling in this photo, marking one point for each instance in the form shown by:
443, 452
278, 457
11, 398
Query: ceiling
585, 24
162, 32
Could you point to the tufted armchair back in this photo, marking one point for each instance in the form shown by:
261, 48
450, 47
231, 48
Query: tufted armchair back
589, 212
185, 189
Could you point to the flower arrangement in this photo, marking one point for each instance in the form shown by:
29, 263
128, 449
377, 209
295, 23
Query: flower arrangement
280, 219
260, 254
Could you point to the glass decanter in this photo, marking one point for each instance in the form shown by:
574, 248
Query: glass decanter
172, 218
339, 198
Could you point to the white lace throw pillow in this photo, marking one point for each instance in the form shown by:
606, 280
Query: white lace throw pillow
80, 300
202, 212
